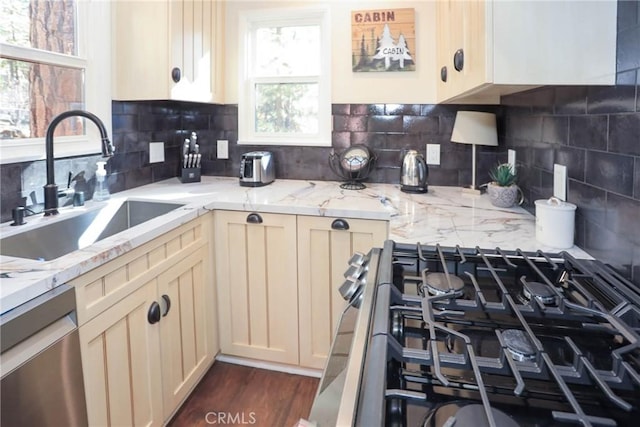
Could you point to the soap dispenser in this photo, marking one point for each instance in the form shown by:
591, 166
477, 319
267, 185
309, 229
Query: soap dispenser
101, 192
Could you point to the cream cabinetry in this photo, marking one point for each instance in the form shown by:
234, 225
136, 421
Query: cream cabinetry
168, 49
324, 247
256, 277
278, 277
148, 330
488, 48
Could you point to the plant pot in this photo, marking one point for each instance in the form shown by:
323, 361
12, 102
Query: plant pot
504, 197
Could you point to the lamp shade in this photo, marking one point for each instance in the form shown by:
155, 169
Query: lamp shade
475, 127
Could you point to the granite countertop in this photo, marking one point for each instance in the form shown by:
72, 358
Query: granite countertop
444, 215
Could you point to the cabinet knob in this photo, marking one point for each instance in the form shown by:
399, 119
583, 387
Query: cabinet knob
254, 218
340, 224
176, 75
153, 315
443, 73
167, 303
458, 60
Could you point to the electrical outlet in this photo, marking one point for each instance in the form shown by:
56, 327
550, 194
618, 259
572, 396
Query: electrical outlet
511, 159
433, 154
156, 152
560, 181
222, 149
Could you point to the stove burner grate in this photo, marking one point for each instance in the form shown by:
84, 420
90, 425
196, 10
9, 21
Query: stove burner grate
519, 345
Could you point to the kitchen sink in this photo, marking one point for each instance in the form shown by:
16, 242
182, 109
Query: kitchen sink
59, 238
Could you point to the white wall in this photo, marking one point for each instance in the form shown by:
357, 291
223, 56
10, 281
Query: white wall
410, 87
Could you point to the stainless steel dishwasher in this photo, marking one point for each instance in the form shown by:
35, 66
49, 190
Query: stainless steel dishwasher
42, 382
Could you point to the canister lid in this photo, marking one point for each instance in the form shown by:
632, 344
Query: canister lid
555, 203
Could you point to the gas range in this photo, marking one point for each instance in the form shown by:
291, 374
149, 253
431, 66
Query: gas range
475, 337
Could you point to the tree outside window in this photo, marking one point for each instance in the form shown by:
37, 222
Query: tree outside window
41, 75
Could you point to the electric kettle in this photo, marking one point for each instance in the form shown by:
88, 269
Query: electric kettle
414, 173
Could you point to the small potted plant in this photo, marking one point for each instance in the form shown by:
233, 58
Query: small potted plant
503, 191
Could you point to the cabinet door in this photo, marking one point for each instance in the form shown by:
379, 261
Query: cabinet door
186, 329
153, 38
323, 252
121, 363
477, 67
461, 34
140, 55
196, 49
256, 269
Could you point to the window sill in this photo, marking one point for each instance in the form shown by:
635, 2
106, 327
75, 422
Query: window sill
27, 150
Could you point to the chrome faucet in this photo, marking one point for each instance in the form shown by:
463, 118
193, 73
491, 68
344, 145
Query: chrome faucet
51, 189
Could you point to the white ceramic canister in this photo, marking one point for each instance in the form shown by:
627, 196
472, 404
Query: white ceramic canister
555, 223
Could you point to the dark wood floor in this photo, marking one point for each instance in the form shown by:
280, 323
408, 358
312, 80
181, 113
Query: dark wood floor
234, 395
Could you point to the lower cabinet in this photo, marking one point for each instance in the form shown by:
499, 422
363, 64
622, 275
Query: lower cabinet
144, 353
122, 370
256, 275
324, 247
278, 277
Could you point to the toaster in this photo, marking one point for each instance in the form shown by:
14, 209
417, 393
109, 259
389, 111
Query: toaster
257, 169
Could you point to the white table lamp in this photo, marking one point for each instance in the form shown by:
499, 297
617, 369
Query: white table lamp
475, 128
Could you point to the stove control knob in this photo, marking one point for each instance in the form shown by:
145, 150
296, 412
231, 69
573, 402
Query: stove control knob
354, 271
357, 259
349, 287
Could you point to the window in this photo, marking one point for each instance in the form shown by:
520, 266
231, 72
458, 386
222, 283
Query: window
285, 92
54, 57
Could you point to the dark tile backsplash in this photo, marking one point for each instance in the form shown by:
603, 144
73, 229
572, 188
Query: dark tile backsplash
594, 131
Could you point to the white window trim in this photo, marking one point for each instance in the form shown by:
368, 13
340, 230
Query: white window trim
94, 55
246, 97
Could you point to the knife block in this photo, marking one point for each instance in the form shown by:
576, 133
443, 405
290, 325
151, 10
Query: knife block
190, 175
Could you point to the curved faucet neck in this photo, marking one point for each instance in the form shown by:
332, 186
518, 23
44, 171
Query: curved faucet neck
50, 193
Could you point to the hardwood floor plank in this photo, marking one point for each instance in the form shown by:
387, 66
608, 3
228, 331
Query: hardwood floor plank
235, 395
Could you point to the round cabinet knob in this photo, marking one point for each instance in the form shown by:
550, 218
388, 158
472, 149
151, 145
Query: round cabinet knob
458, 60
153, 315
443, 73
167, 303
176, 75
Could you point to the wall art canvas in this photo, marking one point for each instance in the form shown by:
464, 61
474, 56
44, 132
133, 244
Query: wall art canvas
383, 40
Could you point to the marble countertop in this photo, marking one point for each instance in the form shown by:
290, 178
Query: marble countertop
444, 215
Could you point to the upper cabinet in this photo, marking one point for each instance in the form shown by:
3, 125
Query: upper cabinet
170, 49
488, 48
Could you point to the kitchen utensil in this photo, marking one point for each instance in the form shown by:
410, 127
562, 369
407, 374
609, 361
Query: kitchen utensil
414, 173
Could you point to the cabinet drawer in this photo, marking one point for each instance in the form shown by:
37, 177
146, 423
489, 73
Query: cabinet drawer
102, 287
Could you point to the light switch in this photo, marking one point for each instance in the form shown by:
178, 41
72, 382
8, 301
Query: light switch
156, 152
511, 159
223, 149
560, 181
433, 154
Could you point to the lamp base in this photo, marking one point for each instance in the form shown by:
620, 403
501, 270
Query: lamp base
471, 190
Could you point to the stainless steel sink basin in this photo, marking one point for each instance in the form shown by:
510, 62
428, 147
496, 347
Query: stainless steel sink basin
59, 238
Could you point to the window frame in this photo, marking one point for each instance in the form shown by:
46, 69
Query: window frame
94, 57
249, 21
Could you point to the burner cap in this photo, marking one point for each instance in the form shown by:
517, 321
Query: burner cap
519, 345
437, 283
541, 291
460, 414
